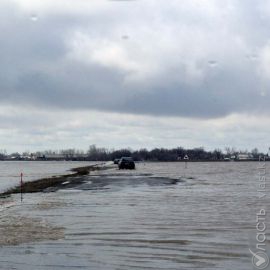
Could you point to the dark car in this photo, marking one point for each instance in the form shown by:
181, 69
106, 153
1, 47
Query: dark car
126, 163
116, 161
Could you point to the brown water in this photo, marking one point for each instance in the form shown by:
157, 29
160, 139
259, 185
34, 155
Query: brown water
142, 219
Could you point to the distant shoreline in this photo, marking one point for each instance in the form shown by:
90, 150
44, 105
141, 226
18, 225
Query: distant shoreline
138, 161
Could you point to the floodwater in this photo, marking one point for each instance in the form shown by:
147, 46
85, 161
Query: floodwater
10, 171
160, 216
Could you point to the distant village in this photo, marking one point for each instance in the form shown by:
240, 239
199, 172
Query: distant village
158, 154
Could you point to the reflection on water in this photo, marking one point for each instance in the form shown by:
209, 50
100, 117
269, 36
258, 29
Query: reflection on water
145, 219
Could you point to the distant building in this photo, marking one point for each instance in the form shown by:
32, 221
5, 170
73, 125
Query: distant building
244, 157
26, 157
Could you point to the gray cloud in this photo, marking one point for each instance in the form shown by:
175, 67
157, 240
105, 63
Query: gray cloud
202, 63
178, 60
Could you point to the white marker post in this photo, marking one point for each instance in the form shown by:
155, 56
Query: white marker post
186, 158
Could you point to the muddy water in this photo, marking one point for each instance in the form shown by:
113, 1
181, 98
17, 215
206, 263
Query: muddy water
32, 170
161, 216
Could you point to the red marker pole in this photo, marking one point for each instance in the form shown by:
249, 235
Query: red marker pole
21, 186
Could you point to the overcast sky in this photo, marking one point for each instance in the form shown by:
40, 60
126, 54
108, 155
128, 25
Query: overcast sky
136, 74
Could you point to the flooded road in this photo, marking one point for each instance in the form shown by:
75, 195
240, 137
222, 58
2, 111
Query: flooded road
160, 216
10, 171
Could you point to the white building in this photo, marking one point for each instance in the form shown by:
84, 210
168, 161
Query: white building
244, 157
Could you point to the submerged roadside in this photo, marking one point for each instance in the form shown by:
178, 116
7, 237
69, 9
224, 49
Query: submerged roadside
55, 182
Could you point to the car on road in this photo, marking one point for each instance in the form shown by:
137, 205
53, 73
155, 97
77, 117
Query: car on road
116, 161
126, 163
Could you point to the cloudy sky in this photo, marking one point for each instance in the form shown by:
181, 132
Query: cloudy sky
145, 73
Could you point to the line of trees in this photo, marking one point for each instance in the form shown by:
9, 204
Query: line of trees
174, 154
95, 153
